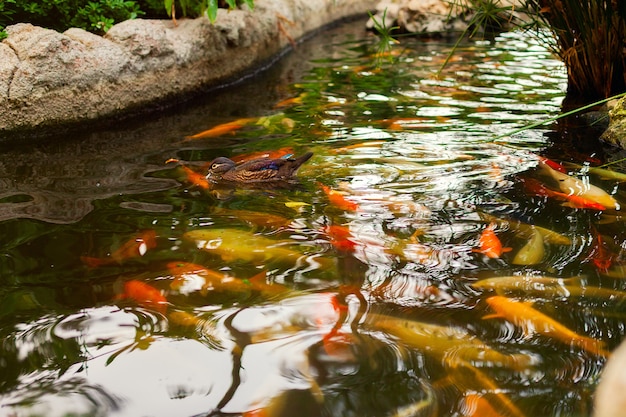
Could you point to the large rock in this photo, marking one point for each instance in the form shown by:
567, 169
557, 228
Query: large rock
50, 79
615, 134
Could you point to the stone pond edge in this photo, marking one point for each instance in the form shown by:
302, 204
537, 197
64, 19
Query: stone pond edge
52, 80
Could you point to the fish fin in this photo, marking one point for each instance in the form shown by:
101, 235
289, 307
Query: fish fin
261, 277
492, 316
507, 249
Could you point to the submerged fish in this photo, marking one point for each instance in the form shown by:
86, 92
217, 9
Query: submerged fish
338, 199
490, 244
449, 344
194, 277
574, 186
145, 295
234, 244
547, 287
549, 236
531, 321
132, 248
572, 200
222, 129
532, 252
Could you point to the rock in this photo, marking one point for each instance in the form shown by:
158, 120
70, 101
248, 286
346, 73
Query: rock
615, 134
433, 17
51, 80
608, 400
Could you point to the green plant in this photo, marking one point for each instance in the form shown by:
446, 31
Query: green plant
386, 39
589, 36
195, 8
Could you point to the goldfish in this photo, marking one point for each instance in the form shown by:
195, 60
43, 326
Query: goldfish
601, 257
145, 295
448, 344
531, 320
572, 200
547, 287
490, 244
222, 129
233, 244
192, 176
190, 276
477, 406
532, 252
573, 186
275, 154
291, 101
340, 237
338, 200
132, 248
549, 236
254, 218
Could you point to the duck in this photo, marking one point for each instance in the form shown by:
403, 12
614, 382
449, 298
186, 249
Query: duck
256, 171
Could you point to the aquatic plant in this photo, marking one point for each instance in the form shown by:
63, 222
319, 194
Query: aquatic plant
590, 37
195, 8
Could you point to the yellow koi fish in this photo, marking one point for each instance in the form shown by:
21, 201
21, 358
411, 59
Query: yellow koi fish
529, 319
532, 252
237, 244
547, 287
549, 236
448, 344
571, 185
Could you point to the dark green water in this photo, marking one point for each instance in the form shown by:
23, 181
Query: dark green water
366, 308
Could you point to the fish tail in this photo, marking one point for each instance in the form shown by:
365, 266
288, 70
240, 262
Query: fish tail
593, 346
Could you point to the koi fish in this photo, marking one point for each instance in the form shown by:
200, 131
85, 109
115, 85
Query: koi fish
254, 218
490, 244
193, 277
367, 144
233, 244
532, 252
145, 295
547, 287
278, 153
193, 177
222, 129
601, 257
291, 101
340, 237
477, 406
133, 248
574, 186
448, 344
531, 320
549, 236
573, 200
338, 200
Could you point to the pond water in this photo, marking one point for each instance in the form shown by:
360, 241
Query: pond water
426, 264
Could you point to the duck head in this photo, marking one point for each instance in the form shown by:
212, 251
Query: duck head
218, 167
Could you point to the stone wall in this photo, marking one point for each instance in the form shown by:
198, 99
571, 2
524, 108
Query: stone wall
50, 79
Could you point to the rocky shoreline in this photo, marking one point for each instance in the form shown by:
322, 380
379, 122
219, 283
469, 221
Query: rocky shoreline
51, 80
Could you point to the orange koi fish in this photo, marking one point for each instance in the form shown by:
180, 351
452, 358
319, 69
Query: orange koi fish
338, 200
192, 176
573, 200
133, 248
490, 244
477, 406
145, 295
291, 101
222, 129
530, 319
185, 273
553, 164
340, 237
279, 153
573, 186
601, 257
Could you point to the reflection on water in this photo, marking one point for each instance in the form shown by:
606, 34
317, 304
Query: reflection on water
419, 268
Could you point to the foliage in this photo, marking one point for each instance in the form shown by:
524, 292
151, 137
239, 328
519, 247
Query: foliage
99, 15
590, 37
384, 32
196, 8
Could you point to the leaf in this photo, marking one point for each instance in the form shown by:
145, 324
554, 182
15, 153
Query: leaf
168, 6
212, 10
